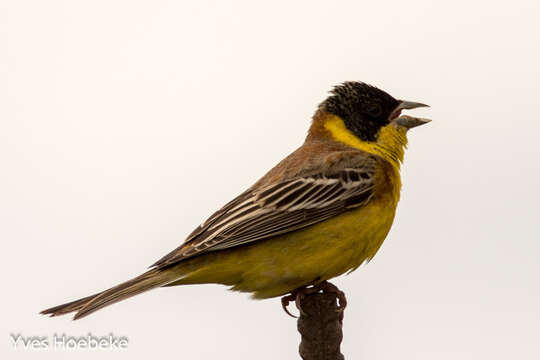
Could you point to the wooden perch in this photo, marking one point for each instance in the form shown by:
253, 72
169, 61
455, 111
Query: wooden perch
320, 323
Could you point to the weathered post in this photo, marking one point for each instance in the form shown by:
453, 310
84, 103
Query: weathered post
320, 323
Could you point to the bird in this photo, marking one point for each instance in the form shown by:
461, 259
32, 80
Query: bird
321, 212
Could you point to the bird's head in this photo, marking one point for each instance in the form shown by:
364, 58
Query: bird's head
365, 109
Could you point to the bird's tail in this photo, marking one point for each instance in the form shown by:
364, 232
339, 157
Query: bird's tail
85, 306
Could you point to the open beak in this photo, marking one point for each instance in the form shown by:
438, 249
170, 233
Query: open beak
410, 105
407, 121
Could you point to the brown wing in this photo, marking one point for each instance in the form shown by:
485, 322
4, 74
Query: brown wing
278, 209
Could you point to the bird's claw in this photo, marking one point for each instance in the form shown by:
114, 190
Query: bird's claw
285, 301
295, 296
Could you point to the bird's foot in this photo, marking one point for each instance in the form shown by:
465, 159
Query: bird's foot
299, 294
286, 300
327, 287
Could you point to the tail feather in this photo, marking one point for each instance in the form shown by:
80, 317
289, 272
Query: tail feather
85, 306
68, 307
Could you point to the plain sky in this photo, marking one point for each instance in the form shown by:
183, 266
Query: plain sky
124, 124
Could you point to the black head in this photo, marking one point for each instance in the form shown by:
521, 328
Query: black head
363, 108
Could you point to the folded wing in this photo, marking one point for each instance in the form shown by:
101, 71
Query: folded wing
278, 209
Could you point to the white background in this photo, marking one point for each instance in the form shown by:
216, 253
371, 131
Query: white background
123, 124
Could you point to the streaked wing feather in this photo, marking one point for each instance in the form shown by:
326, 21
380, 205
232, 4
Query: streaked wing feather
277, 209
279, 227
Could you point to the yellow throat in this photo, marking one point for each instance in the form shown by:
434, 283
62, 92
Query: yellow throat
390, 145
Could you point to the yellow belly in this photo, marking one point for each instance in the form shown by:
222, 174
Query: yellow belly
277, 266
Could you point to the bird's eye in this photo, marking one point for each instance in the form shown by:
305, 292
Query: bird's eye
373, 109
